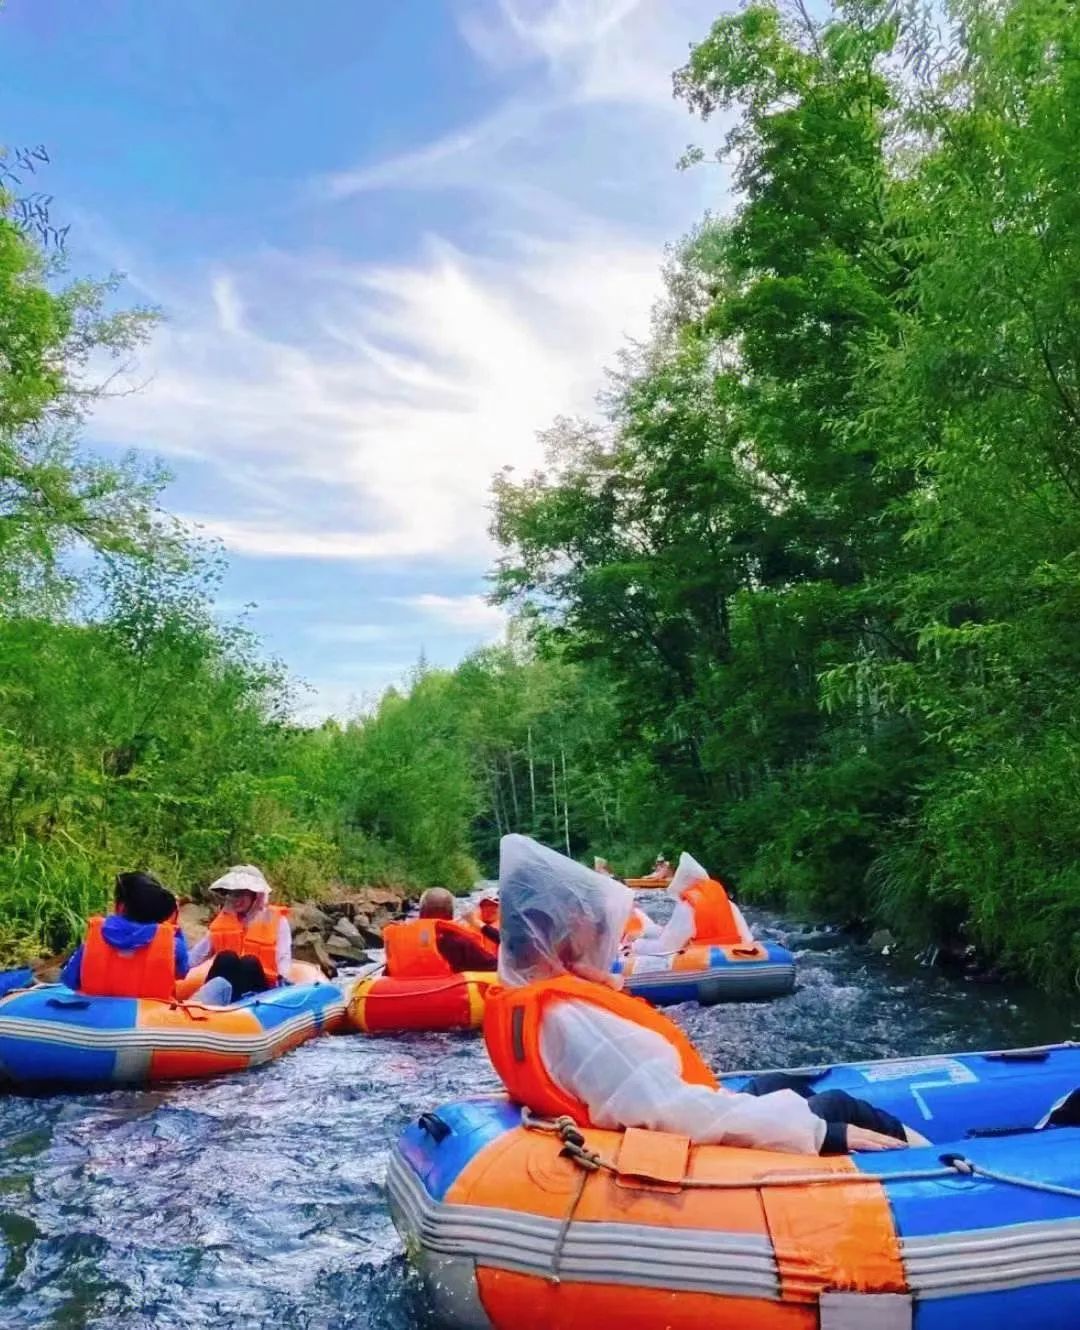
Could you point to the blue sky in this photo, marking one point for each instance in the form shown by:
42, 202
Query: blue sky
393, 240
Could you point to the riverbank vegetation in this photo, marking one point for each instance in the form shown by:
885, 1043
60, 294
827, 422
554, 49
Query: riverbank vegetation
825, 543
804, 598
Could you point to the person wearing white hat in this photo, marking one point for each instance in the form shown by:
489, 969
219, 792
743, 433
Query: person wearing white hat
249, 939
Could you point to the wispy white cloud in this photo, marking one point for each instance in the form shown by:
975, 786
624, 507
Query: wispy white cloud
370, 426
596, 50
469, 613
438, 164
591, 53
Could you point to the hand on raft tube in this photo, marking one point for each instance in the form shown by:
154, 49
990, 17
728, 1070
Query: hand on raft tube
862, 1138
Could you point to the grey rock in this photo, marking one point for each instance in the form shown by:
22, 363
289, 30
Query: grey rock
345, 928
306, 917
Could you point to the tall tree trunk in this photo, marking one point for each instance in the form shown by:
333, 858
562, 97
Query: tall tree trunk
565, 801
601, 794
532, 779
513, 791
493, 776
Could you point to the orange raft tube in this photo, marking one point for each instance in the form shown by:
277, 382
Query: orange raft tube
646, 883
519, 1231
381, 1005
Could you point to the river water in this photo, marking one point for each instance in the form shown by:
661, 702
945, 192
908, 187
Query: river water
256, 1201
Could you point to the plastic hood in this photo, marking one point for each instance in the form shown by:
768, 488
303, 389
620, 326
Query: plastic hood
688, 872
557, 917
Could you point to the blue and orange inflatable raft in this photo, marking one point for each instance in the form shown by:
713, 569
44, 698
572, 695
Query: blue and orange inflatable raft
747, 971
54, 1038
516, 1226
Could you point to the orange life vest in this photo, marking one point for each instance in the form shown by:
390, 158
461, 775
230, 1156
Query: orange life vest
635, 926
412, 950
475, 919
146, 972
256, 936
715, 924
512, 1019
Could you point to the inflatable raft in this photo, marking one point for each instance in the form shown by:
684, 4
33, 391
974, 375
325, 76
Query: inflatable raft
381, 1005
51, 1037
517, 1226
747, 971
651, 883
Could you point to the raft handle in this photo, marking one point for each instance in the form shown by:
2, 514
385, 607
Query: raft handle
1019, 1055
435, 1127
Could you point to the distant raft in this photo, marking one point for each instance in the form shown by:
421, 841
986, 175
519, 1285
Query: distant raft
54, 1038
381, 1005
521, 1225
746, 971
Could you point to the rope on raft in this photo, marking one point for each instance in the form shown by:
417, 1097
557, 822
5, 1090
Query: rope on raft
591, 1161
574, 1147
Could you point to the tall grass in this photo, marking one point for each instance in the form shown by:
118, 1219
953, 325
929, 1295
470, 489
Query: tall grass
47, 892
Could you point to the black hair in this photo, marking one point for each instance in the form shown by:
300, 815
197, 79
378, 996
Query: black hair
144, 899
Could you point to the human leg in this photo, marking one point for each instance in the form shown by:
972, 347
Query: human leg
244, 973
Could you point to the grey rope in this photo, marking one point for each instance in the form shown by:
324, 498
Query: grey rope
574, 1148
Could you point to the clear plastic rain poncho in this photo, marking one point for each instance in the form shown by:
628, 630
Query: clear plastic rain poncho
560, 918
556, 916
678, 932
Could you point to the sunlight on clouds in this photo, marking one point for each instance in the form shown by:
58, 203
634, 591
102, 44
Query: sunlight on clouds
371, 426
598, 50
467, 613
553, 30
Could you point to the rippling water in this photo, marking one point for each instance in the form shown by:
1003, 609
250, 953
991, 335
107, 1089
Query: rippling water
256, 1200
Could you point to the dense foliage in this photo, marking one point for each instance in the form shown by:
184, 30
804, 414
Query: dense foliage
826, 542
806, 599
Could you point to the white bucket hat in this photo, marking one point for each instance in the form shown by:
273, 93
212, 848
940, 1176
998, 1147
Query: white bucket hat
243, 877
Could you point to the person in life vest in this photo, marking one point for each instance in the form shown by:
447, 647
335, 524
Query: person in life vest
704, 914
662, 870
435, 945
137, 951
485, 918
249, 939
565, 1040
639, 925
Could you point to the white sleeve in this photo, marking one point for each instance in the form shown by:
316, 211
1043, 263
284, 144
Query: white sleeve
744, 928
630, 1077
649, 928
200, 951
284, 948
676, 933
